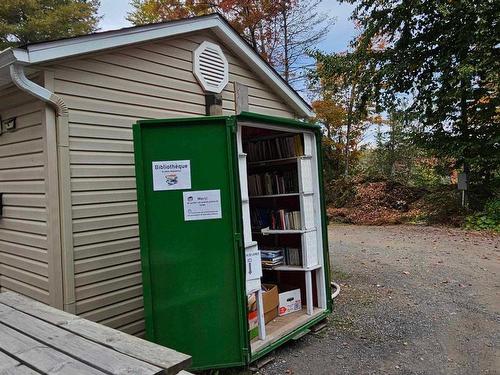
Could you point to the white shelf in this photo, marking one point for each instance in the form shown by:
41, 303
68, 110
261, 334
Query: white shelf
273, 161
285, 231
294, 268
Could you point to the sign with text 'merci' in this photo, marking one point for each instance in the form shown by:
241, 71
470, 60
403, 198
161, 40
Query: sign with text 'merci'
171, 175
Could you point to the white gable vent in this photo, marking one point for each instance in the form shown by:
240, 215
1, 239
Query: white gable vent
210, 67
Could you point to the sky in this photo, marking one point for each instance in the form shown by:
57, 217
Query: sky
341, 32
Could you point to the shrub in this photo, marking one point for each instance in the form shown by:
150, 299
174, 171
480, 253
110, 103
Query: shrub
488, 219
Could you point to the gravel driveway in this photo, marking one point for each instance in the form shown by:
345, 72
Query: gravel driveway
414, 300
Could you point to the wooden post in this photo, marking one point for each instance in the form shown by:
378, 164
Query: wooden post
213, 104
240, 97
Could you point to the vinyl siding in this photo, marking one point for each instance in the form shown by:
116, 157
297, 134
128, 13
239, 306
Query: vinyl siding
106, 94
23, 224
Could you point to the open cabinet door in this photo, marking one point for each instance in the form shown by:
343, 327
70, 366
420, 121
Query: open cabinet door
191, 258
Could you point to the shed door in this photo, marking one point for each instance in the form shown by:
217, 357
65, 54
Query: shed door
192, 266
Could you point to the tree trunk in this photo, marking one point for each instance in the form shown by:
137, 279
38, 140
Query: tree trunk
348, 131
286, 62
464, 127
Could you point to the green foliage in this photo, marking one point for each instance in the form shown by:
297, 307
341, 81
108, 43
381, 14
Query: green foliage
444, 57
343, 80
488, 219
27, 21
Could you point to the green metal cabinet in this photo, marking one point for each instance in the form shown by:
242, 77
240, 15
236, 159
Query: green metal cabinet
194, 270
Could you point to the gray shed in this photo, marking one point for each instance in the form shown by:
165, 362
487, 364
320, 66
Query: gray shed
69, 227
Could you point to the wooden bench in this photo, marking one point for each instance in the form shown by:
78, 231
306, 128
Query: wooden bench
38, 339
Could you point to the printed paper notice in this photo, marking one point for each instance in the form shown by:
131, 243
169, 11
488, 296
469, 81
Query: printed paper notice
171, 175
202, 205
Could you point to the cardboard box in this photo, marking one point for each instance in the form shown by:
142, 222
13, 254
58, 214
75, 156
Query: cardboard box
289, 302
270, 301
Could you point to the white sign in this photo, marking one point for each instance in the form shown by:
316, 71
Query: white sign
254, 265
171, 175
202, 205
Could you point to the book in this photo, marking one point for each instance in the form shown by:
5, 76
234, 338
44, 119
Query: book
272, 183
274, 148
272, 257
293, 256
279, 219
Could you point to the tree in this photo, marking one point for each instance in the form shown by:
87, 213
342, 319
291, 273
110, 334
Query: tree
344, 78
444, 57
301, 28
281, 31
27, 21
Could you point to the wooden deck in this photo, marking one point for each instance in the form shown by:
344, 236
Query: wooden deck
38, 339
281, 326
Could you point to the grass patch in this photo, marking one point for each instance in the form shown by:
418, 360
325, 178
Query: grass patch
341, 322
340, 275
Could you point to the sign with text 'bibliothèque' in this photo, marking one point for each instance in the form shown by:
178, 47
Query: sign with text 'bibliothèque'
171, 175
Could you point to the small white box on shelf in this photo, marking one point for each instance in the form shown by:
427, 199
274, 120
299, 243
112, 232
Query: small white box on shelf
289, 302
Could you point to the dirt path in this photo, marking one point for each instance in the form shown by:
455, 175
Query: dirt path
414, 300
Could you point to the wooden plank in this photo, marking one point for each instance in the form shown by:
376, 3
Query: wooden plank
9, 366
39, 356
101, 357
241, 97
283, 325
171, 360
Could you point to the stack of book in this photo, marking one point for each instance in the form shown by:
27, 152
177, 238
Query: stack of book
275, 219
275, 148
293, 256
271, 257
273, 183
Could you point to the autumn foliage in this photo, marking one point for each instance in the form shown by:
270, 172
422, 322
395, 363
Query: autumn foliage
255, 20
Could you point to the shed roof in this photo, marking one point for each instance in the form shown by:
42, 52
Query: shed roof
43, 52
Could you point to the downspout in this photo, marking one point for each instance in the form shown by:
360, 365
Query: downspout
19, 78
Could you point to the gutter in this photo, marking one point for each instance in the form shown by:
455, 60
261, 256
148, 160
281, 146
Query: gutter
18, 60
19, 78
